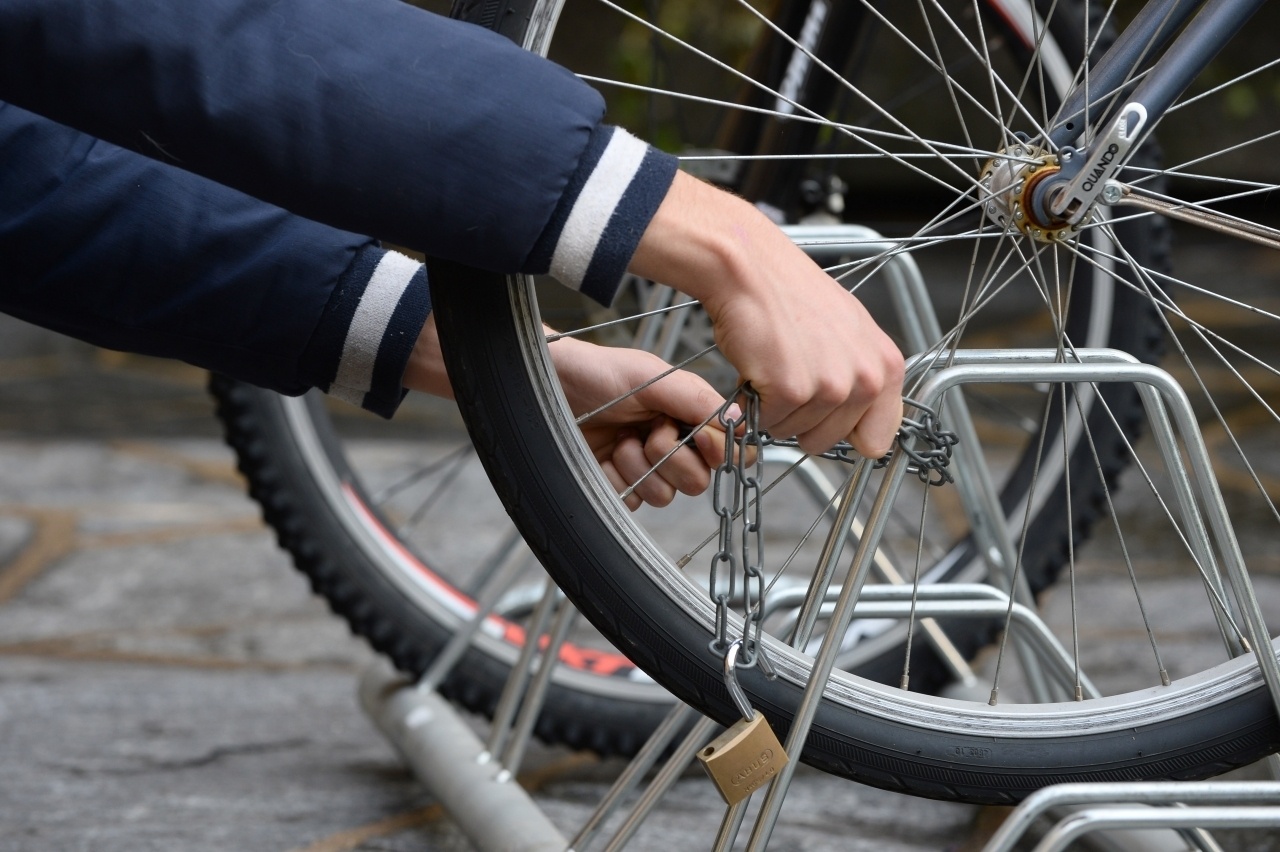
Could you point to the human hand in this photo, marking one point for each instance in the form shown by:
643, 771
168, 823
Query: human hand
823, 368
630, 437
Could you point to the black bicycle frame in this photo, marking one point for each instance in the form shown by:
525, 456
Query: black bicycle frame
1204, 37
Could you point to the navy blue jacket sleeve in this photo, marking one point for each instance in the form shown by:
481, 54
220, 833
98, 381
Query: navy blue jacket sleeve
369, 115
129, 253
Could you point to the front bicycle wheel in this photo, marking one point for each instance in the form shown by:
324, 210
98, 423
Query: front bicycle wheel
931, 105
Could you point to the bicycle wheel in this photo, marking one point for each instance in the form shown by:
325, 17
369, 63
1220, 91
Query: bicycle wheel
359, 522
950, 89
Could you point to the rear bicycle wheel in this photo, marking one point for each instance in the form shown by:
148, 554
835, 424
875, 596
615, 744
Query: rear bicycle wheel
353, 505
978, 78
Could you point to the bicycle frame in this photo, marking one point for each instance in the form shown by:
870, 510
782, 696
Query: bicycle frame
1072, 193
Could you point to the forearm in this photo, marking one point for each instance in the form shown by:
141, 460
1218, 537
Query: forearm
699, 242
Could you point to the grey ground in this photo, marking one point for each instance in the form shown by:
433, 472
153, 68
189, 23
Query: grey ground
167, 681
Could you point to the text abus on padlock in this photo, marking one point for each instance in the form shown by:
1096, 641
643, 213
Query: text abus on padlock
748, 754
743, 758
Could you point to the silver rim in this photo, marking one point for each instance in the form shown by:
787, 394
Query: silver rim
1204, 687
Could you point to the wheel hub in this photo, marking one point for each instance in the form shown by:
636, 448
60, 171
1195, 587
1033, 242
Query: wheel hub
1008, 184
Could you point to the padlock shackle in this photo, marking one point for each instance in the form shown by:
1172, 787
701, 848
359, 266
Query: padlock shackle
731, 681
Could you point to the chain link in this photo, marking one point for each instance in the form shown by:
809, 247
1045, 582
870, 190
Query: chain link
743, 479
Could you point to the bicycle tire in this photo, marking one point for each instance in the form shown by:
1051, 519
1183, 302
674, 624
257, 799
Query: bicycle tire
1201, 725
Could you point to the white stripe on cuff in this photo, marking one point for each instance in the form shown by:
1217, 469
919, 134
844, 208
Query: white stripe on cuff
354, 397
370, 321
595, 205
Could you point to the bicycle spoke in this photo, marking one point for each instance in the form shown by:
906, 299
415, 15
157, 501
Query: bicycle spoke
851, 88
380, 497
1124, 548
1222, 87
853, 132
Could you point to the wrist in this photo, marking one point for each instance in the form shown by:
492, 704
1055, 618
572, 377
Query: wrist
698, 241
425, 369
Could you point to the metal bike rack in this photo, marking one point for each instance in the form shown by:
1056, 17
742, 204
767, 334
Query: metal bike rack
1179, 805
1166, 406
474, 780
456, 767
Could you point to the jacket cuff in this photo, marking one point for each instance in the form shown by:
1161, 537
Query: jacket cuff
368, 330
603, 213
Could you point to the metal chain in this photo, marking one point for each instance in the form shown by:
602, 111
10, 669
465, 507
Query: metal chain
750, 477
725, 494
931, 465
736, 492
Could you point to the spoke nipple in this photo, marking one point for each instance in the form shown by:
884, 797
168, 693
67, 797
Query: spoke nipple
1079, 693
993, 700
1164, 678
905, 684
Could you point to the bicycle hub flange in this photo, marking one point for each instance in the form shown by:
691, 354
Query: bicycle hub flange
1008, 184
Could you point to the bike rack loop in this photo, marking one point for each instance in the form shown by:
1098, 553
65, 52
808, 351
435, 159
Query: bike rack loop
1235, 804
1157, 389
1165, 402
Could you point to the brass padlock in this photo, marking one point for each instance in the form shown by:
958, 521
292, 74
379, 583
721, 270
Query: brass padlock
743, 758
748, 754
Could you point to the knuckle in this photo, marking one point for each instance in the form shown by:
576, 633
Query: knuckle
831, 392
895, 370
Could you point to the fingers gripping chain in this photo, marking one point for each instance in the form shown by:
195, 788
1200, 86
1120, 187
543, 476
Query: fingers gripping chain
931, 463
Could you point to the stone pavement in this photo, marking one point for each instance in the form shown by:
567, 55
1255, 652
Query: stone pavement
167, 681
